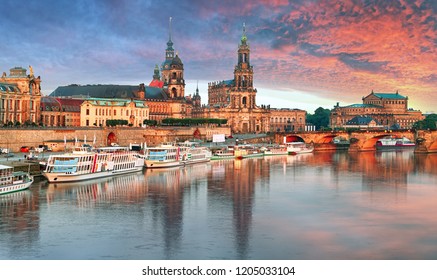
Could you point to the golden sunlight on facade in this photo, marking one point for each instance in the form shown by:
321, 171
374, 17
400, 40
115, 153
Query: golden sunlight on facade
96, 111
20, 96
386, 110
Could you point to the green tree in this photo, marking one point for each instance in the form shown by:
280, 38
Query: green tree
320, 118
428, 123
150, 122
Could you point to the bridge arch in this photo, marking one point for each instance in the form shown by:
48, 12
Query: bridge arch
293, 138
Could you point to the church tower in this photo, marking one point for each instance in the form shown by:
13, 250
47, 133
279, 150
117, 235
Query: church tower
196, 98
156, 82
173, 71
243, 94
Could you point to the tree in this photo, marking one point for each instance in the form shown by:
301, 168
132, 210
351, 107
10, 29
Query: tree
150, 122
320, 118
428, 123
116, 122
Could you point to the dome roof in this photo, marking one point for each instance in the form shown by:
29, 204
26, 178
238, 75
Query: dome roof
177, 61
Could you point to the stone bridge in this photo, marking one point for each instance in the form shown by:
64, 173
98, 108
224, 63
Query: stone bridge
426, 140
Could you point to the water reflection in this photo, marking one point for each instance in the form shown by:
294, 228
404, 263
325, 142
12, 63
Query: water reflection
19, 221
314, 206
126, 189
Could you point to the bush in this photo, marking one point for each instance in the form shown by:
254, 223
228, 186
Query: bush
116, 122
192, 121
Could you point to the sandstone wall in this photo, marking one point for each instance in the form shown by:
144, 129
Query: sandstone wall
13, 138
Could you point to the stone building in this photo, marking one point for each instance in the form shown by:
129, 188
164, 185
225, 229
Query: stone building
235, 100
96, 111
390, 110
287, 119
20, 95
60, 111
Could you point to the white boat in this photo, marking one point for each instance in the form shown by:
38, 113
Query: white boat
275, 150
225, 153
247, 151
11, 181
163, 156
85, 164
193, 153
394, 143
294, 148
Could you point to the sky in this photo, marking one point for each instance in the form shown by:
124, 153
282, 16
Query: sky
305, 54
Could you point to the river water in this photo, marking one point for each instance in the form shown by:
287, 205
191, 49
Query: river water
373, 205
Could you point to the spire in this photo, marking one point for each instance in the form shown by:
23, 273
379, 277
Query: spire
244, 37
169, 30
169, 52
197, 88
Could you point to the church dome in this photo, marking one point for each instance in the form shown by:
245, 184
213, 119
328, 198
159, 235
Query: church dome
177, 61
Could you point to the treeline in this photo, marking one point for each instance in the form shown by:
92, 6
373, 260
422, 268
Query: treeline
428, 123
193, 121
172, 122
116, 122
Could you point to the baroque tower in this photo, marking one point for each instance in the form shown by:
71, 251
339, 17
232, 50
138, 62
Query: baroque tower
243, 94
173, 71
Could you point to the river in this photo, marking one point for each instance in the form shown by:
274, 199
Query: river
328, 205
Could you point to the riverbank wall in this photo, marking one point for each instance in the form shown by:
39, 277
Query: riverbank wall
14, 138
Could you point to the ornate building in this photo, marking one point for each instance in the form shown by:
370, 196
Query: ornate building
20, 96
96, 111
60, 111
389, 110
235, 100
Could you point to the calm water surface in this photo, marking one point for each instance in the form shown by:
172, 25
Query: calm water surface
321, 206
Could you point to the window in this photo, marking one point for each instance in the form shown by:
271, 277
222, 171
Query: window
87, 112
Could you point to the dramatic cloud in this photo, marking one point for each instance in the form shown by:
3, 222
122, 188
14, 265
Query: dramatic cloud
334, 50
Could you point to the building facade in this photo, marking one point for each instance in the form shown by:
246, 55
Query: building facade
60, 111
389, 110
20, 95
96, 111
287, 120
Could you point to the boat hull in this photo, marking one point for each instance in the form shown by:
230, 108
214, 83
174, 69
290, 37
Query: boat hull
217, 157
394, 147
194, 161
162, 164
15, 187
73, 177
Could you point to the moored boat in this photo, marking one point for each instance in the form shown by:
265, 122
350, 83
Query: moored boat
294, 148
11, 181
163, 156
275, 150
247, 152
84, 164
194, 153
393, 143
225, 153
